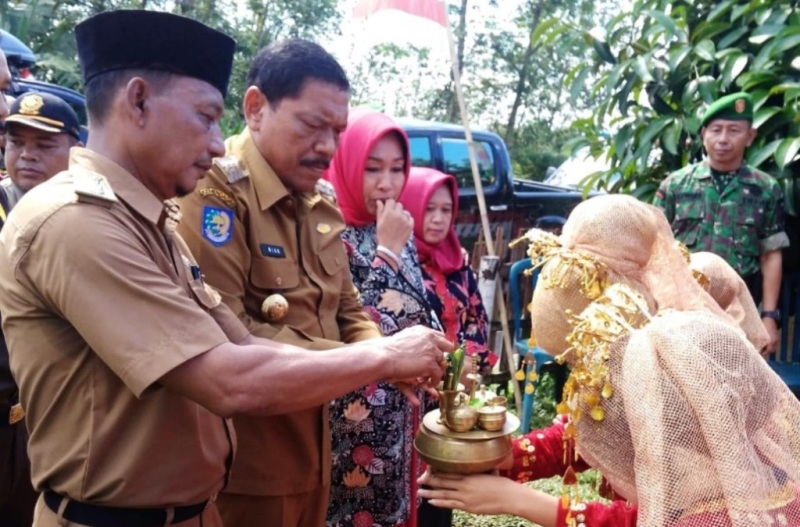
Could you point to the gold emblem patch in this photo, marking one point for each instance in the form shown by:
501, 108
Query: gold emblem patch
739, 105
323, 228
31, 104
224, 197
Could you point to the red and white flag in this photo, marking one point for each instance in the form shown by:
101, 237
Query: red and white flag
430, 9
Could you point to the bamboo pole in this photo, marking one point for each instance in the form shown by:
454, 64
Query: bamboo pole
487, 234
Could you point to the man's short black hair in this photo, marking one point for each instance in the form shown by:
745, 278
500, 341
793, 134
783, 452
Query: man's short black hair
101, 90
281, 69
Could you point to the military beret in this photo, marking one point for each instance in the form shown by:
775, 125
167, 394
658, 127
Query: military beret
45, 112
138, 39
736, 107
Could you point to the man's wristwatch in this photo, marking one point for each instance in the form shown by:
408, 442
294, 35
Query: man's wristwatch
775, 314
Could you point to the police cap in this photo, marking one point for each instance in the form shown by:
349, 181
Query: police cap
138, 39
735, 107
45, 112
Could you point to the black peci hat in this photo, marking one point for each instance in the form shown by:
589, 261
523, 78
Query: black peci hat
138, 39
45, 112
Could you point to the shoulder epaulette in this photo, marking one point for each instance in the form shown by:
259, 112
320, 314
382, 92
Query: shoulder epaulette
94, 188
325, 188
232, 168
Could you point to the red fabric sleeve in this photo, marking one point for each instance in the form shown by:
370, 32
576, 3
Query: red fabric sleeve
540, 454
617, 514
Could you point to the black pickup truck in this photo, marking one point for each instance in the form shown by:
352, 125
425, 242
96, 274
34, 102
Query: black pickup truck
512, 204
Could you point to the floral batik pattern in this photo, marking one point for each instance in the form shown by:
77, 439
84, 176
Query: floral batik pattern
394, 300
372, 429
457, 303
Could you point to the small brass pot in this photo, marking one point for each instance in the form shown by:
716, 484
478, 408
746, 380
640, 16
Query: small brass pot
492, 418
462, 419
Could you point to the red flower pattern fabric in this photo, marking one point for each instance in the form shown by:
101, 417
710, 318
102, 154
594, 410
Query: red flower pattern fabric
372, 429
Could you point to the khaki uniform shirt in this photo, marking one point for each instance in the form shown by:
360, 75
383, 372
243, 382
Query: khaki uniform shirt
254, 238
98, 304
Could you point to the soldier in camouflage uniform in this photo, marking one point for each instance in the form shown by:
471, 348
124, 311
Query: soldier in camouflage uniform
724, 206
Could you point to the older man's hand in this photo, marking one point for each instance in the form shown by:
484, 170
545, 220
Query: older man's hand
416, 357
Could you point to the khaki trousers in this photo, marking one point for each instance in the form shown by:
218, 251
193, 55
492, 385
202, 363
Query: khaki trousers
297, 510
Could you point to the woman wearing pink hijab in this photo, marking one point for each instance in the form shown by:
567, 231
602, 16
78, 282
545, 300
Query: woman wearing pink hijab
373, 483
432, 199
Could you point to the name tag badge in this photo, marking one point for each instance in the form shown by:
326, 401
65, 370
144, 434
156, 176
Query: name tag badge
273, 251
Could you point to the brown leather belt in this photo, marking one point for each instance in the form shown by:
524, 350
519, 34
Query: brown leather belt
16, 414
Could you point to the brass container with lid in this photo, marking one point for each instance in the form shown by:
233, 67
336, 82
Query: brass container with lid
470, 452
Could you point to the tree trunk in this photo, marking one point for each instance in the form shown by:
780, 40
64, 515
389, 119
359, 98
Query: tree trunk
519, 91
461, 36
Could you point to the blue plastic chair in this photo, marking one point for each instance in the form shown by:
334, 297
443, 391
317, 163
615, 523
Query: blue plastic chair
533, 357
786, 362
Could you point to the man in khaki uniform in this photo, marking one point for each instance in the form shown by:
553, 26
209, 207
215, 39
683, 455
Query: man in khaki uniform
41, 129
125, 358
282, 237
17, 497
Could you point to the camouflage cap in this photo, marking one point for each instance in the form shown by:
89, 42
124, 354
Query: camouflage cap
736, 107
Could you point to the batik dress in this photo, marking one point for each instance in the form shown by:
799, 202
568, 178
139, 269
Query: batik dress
457, 303
372, 429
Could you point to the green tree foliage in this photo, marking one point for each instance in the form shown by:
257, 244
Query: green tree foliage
538, 65
513, 73
536, 147
656, 67
384, 65
528, 62
264, 22
47, 26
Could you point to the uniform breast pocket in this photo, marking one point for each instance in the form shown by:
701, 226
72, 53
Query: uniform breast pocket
745, 236
688, 222
333, 259
270, 274
205, 295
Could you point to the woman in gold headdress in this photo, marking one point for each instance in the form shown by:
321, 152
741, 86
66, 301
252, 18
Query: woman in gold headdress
667, 397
